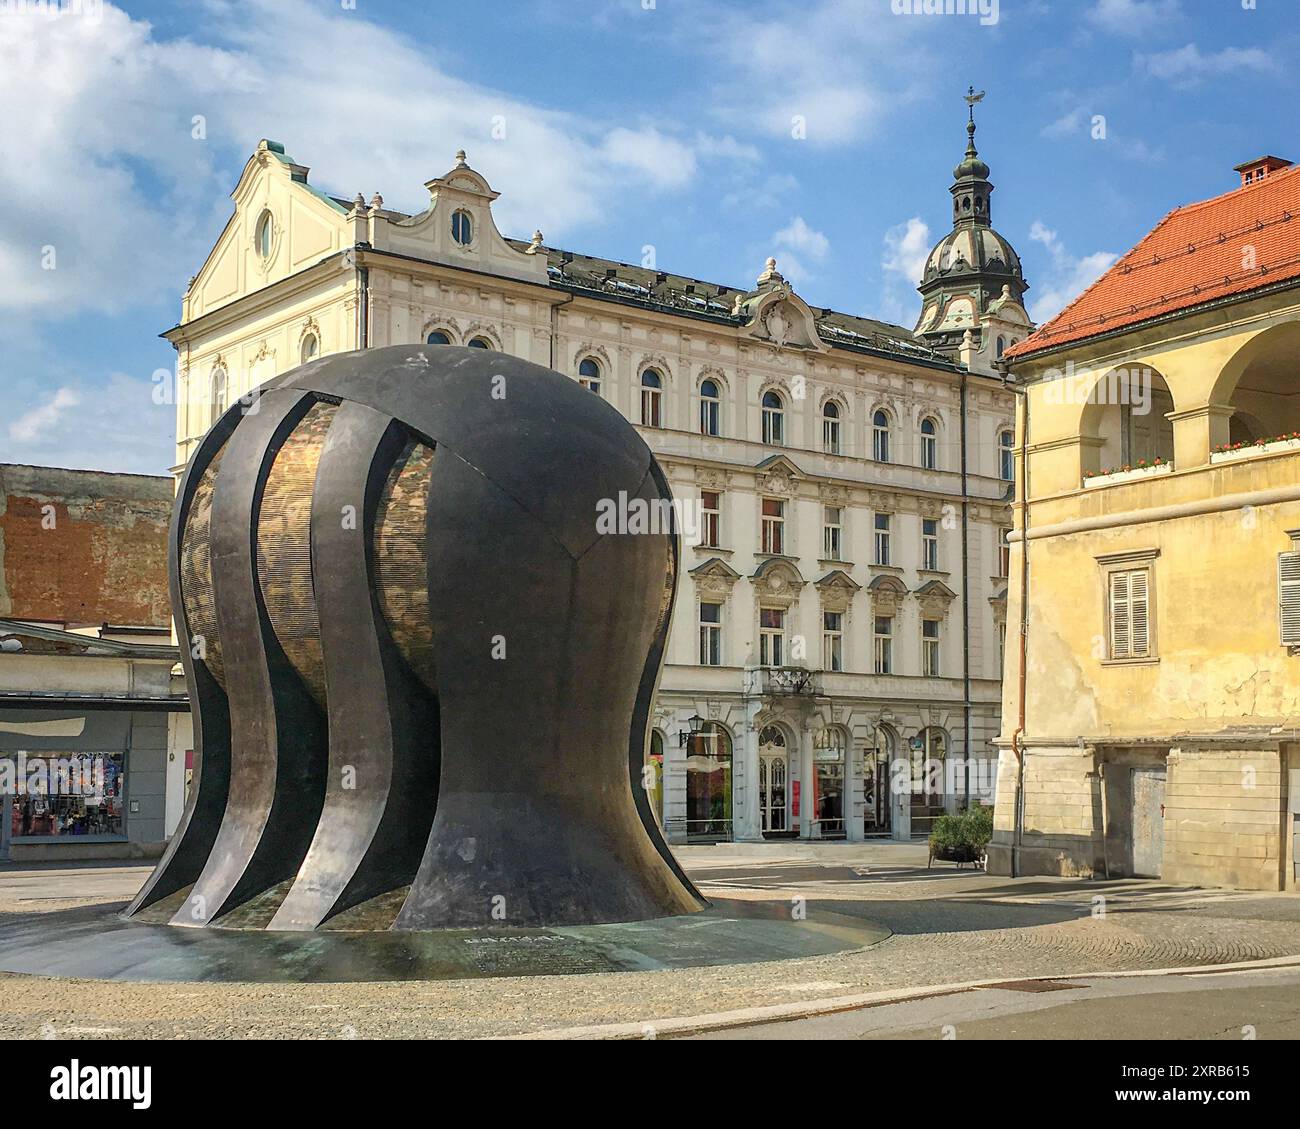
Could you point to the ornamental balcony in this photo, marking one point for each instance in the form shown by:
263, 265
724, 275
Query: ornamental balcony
783, 681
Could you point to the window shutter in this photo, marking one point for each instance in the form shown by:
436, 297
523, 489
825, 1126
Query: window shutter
1288, 594
1138, 618
1120, 642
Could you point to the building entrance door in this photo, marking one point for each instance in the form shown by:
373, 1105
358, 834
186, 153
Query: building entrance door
773, 778
1148, 821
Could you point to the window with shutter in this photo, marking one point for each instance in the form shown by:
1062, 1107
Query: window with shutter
1139, 627
1130, 614
1288, 597
1119, 616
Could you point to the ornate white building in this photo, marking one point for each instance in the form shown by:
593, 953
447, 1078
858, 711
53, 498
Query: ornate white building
842, 598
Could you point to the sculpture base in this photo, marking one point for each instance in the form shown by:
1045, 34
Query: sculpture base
98, 944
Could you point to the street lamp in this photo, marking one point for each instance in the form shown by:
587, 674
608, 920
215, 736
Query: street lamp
696, 722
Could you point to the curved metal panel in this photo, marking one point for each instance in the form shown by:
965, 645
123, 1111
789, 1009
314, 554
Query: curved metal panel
187, 852
383, 732
277, 754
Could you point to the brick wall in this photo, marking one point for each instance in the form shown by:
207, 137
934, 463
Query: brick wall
83, 547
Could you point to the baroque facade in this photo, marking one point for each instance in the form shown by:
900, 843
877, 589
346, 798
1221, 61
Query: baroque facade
1152, 712
842, 596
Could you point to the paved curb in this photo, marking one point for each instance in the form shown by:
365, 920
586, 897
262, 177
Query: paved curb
807, 1009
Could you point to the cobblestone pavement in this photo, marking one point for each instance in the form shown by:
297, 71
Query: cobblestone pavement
949, 926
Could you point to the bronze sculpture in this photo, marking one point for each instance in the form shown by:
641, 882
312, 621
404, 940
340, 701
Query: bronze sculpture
420, 676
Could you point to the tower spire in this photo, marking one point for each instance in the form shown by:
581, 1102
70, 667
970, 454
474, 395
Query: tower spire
973, 98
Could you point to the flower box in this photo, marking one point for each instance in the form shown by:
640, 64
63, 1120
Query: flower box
1130, 475
1253, 450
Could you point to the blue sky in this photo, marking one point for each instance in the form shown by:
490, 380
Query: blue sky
626, 123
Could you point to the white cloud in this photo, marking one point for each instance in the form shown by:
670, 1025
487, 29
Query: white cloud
1067, 276
796, 245
117, 426
1064, 126
1186, 66
798, 236
35, 424
906, 247
1133, 17
130, 201
827, 72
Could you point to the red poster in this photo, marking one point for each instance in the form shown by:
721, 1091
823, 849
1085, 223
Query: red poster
794, 798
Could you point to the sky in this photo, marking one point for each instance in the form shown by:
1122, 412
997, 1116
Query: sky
823, 133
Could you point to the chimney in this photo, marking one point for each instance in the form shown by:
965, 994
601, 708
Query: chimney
1252, 172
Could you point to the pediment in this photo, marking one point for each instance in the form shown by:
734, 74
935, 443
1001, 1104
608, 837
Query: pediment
837, 578
780, 318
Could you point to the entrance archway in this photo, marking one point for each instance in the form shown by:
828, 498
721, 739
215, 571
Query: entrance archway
876, 781
773, 781
829, 748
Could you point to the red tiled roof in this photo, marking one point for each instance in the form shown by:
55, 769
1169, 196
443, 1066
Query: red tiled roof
1196, 254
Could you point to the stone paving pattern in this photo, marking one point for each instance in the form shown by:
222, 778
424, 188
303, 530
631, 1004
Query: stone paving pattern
950, 926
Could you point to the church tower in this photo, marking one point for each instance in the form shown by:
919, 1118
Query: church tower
973, 287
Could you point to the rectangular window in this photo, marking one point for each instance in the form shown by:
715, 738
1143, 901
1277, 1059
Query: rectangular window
1002, 648
710, 518
773, 526
882, 538
81, 794
710, 634
884, 644
1004, 551
1288, 594
1129, 613
771, 637
930, 648
833, 641
832, 532
930, 544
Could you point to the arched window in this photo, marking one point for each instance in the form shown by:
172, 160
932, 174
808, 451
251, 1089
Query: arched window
1007, 455
589, 375
880, 437
218, 392
265, 235
708, 783
710, 407
437, 337
1002, 346
828, 780
831, 428
462, 227
652, 385
480, 343
929, 444
308, 349
773, 419
929, 750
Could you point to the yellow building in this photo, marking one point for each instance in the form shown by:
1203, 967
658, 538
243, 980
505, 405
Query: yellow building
1152, 695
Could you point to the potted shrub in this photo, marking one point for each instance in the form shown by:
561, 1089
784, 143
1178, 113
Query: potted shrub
961, 838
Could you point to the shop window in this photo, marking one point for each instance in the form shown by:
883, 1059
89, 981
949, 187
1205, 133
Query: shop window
71, 795
708, 783
828, 781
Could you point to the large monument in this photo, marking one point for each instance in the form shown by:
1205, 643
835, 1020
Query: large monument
420, 672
